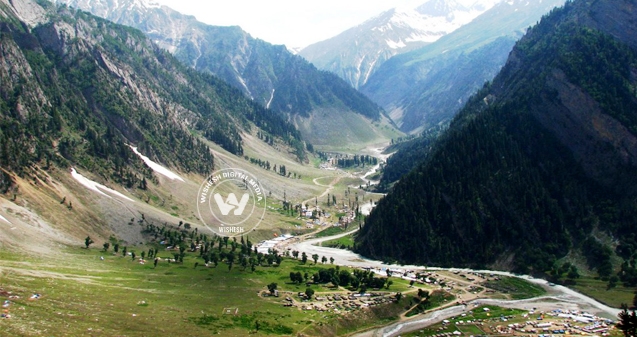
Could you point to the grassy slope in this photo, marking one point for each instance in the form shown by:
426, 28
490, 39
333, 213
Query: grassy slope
81, 293
330, 129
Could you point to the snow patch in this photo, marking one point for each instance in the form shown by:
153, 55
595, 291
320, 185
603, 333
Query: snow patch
425, 37
270, 101
369, 70
157, 167
144, 4
245, 86
5, 219
396, 45
97, 187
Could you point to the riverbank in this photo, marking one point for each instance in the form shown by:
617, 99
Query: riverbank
559, 297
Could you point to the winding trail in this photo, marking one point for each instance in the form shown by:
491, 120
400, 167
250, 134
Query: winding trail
330, 187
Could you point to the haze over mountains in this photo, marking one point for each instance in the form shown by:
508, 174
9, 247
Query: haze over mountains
317, 102
77, 92
109, 133
357, 53
421, 65
427, 86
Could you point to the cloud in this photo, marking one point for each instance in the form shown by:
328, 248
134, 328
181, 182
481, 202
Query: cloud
290, 22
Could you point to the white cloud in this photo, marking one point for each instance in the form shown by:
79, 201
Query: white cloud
291, 22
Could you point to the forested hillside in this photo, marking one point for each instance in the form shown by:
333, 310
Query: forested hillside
407, 155
538, 164
77, 90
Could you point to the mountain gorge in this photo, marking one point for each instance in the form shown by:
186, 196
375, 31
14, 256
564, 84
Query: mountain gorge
538, 164
357, 53
426, 87
317, 102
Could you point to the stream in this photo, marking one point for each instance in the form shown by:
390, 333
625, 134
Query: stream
557, 297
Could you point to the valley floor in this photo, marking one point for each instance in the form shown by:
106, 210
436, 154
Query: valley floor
54, 287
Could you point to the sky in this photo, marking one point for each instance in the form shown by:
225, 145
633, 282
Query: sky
294, 23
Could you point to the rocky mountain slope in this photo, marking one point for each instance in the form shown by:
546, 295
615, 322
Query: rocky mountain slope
77, 92
425, 87
538, 165
358, 52
268, 74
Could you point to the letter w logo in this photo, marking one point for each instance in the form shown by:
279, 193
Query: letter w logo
231, 202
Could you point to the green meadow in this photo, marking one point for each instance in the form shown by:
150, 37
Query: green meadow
81, 293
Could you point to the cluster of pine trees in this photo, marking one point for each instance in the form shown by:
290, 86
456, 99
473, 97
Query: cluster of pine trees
359, 280
212, 249
356, 161
409, 153
302, 87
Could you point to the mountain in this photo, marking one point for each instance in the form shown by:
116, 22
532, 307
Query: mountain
358, 52
268, 74
539, 165
428, 86
77, 90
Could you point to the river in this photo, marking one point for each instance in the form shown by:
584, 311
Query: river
558, 297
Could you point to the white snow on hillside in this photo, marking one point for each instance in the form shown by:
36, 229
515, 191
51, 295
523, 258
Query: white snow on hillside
430, 27
157, 167
4, 219
396, 45
97, 187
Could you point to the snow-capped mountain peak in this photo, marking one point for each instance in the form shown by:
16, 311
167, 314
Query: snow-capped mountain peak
356, 53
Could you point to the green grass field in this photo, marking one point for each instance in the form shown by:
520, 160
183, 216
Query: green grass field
346, 242
330, 231
517, 288
597, 289
82, 294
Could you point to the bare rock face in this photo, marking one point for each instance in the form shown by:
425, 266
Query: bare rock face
72, 40
604, 146
16, 76
28, 11
539, 163
601, 144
